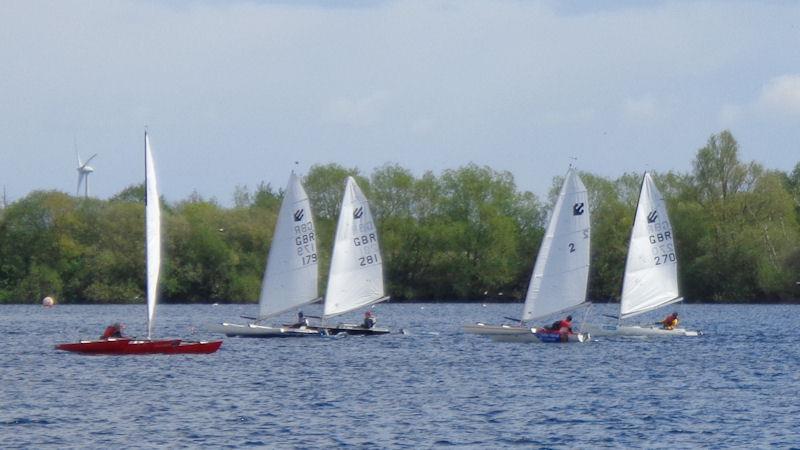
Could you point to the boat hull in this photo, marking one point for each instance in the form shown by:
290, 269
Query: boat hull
639, 331
140, 347
535, 336
489, 330
261, 331
352, 329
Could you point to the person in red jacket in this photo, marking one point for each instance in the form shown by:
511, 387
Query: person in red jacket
113, 331
670, 322
565, 326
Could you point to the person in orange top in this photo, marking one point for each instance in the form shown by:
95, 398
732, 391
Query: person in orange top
670, 322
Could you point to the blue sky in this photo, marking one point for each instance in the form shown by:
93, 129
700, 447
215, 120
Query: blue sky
234, 92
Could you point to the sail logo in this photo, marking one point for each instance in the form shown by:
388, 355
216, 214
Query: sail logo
298, 215
577, 209
652, 217
358, 212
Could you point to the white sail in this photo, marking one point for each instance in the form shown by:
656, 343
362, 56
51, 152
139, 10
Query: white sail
651, 271
356, 275
153, 220
561, 273
290, 279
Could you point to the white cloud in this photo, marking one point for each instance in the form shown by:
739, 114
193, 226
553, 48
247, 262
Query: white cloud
356, 112
642, 109
411, 78
730, 114
781, 95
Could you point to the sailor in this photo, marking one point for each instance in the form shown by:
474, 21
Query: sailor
369, 320
113, 331
302, 321
670, 322
563, 326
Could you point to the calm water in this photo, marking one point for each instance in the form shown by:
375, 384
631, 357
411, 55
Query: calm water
737, 386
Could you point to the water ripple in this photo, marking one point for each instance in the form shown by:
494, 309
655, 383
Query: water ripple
433, 387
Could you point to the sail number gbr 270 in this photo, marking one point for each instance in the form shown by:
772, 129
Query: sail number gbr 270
661, 243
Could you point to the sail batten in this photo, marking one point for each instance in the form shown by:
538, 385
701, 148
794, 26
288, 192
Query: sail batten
561, 272
651, 270
356, 273
291, 275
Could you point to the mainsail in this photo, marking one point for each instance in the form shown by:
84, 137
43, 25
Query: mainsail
153, 221
651, 271
356, 274
290, 279
561, 272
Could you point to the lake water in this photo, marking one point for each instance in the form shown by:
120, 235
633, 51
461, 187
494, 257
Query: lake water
736, 386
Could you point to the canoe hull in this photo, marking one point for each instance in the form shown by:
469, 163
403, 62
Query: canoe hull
534, 336
353, 329
639, 331
489, 330
140, 347
261, 331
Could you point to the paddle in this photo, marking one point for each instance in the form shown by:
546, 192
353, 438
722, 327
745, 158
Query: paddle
612, 316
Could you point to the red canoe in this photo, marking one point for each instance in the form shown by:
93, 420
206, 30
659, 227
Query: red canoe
127, 346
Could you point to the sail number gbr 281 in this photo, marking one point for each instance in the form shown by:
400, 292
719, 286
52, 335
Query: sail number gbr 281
366, 245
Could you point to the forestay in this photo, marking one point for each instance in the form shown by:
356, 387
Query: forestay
561, 272
356, 274
651, 271
290, 278
153, 230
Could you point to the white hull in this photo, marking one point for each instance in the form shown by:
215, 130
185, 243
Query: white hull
253, 330
636, 330
489, 330
531, 336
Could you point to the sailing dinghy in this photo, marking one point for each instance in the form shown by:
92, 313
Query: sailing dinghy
132, 346
356, 275
291, 275
651, 270
561, 273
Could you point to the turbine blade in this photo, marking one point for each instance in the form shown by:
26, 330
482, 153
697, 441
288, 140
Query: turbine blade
90, 158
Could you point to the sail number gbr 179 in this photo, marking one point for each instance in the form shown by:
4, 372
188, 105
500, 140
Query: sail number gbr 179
305, 243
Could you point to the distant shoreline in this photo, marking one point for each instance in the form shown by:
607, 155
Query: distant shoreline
492, 301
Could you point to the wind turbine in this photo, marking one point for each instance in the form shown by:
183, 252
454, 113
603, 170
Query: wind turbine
84, 169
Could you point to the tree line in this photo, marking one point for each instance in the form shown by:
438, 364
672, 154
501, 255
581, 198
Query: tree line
466, 234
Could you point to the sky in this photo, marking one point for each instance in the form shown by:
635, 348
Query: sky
234, 92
